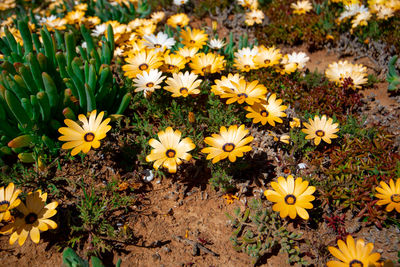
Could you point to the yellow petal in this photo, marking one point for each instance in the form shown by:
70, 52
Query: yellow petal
35, 235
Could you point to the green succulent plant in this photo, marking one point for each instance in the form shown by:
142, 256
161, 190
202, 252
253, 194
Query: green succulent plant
47, 80
71, 259
393, 77
259, 231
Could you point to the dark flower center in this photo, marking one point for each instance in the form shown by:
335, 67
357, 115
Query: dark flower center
206, 69
157, 46
228, 147
264, 113
31, 218
243, 95
267, 61
150, 84
170, 153
320, 133
192, 41
347, 82
247, 66
143, 66
89, 137
4, 205
395, 198
170, 67
356, 263
183, 90
290, 199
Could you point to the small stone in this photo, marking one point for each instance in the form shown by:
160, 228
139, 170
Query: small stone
156, 256
148, 175
167, 249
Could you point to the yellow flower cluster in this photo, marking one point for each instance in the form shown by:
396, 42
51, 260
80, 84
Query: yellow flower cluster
360, 14
247, 59
34, 216
7, 4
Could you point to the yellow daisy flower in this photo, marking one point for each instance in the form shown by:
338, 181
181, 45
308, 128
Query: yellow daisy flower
188, 52
225, 85
228, 144
389, 195
301, 7
293, 62
180, 20
353, 253
250, 4
169, 151
207, 63
183, 84
267, 112
244, 63
146, 29
194, 38
295, 123
173, 63
267, 57
321, 128
135, 46
157, 16
8, 201
81, 7
35, 218
55, 23
292, 197
341, 71
284, 138
254, 17
230, 198
148, 81
91, 22
140, 62
7, 4
75, 17
245, 92
83, 138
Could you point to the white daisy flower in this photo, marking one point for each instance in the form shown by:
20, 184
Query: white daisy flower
300, 59
247, 51
99, 30
148, 81
180, 2
47, 19
361, 19
216, 43
352, 10
384, 12
159, 42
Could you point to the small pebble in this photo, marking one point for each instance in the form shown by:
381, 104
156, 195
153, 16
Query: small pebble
156, 256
